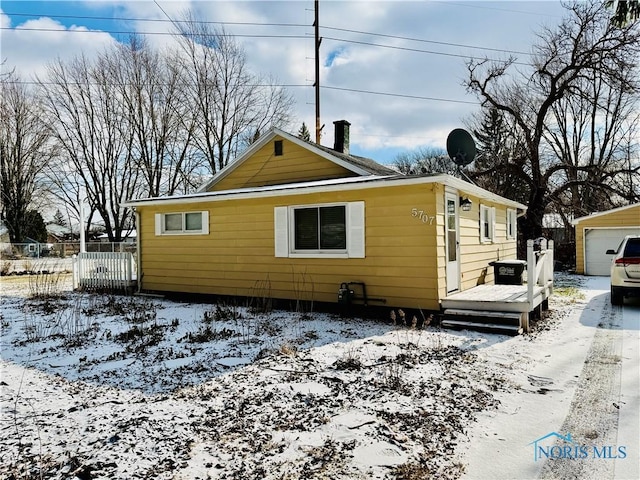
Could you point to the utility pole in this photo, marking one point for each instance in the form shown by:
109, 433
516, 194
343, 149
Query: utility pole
318, 40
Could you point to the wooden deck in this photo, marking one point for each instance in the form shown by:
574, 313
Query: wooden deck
504, 308
498, 298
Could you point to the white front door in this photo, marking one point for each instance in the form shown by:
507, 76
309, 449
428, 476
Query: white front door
452, 242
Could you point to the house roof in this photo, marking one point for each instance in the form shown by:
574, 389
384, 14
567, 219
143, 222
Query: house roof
337, 184
359, 165
600, 214
58, 230
132, 234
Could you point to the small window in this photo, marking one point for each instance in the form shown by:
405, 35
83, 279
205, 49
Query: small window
277, 147
487, 219
182, 223
512, 224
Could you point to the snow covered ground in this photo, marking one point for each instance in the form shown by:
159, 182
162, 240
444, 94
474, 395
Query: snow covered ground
103, 386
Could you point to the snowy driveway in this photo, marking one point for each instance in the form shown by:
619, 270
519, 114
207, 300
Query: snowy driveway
574, 410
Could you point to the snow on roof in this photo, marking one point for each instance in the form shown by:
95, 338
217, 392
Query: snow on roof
58, 230
333, 184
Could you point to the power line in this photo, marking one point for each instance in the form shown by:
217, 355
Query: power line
156, 20
416, 50
296, 25
284, 85
129, 32
343, 40
413, 97
412, 39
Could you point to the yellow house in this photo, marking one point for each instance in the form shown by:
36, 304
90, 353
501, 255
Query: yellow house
293, 220
602, 231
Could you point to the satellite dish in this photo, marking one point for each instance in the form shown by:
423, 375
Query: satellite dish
461, 147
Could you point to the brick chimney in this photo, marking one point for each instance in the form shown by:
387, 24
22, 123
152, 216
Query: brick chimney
341, 136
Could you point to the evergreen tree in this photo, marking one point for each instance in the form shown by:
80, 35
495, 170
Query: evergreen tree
303, 133
499, 161
58, 219
34, 227
626, 11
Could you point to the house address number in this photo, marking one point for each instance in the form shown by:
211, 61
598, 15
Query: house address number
423, 216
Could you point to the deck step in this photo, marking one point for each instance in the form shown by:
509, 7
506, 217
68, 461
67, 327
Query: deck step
506, 322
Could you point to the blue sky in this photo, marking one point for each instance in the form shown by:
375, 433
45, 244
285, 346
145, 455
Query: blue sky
393, 69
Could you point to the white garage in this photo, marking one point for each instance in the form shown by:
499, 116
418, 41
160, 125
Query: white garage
596, 243
600, 232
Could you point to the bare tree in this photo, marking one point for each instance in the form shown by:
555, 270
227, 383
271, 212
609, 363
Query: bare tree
583, 47
92, 132
151, 87
591, 134
232, 103
424, 161
25, 149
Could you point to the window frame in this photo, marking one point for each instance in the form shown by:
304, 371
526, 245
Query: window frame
278, 148
512, 224
316, 251
490, 213
285, 230
160, 223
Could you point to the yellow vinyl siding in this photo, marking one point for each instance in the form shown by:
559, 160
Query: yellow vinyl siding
297, 164
624, 217
404, 263
475, 255
239, 252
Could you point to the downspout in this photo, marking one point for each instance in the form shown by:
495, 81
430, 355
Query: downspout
139, 247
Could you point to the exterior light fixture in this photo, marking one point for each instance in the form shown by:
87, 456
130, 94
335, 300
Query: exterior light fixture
465, 204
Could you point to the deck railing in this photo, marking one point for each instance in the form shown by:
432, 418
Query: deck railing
98, 270
539, 267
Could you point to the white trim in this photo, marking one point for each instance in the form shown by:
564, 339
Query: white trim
576, 221
284, 232
281, 231
326, 186
355, 229
158, 217
512, 224
264, 140
493, 224
160, 224
453, 274
491, 220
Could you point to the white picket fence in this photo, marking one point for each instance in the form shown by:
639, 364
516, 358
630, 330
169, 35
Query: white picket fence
103, 270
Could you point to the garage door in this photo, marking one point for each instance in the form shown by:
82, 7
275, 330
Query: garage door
596, 244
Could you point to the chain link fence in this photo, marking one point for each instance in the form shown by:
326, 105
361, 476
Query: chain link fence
29, 258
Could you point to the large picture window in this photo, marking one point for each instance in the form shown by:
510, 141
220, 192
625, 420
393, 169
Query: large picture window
182, 223
335, 230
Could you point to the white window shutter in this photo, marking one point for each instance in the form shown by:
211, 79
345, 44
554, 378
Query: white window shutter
493, 224
158, 224
205, 222
281, 229
355, 235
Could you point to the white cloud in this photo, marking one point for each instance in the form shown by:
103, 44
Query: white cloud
29, 46
378, 121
